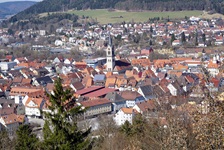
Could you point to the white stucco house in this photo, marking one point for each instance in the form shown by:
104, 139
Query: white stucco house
124, 114
58, 43
33, 107
175, 88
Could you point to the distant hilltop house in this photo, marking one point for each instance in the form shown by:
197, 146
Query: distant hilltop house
194, 18
176, 43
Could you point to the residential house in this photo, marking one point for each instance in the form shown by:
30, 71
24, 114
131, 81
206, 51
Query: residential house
20, 60
183, 82
131, 97
159, 91
6, 66
99, 79
10, 123
175, 88
213, 67
124, 114
121, 83
147, 51
77, 86
41, 72
9, 57
49, 88
57, 60
147, 108
7, 107
213, 85
110, 82
218, 40
68, 61
197, 92
117, 101
18, 93
147, 92
131, 84
33, 106
176, 43
43, 81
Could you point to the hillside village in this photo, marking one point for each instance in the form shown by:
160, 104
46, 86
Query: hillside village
125, 82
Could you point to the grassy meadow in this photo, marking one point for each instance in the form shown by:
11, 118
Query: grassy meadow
104, 16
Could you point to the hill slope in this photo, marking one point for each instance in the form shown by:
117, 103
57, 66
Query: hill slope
10, 8
137, 5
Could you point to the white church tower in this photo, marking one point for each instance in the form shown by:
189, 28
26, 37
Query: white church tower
110, 56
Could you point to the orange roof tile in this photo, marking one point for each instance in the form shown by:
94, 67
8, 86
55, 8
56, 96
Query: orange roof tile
127, 110
23, 91
179, 67
37, 101
89, 82
109, 74
95, 102
121, 81
212, 65
142, 62
110, 81
177, 73
10, 119
23, 65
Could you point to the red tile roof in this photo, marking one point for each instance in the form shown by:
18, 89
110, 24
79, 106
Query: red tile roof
95, 102
89, 90
100, 92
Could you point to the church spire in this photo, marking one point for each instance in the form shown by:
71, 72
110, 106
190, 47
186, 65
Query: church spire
110, 40
110, 55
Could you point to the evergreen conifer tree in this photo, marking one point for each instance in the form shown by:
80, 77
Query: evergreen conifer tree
26, 140
172, 38
60, 129
183, 38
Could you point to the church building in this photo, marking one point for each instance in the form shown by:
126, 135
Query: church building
110, 56
118, 66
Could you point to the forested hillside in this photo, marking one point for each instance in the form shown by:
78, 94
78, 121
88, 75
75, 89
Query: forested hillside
10, 8
129, 5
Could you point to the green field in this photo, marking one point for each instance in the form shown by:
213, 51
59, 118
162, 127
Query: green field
103, 16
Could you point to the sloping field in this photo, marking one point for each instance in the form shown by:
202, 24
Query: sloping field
104, 16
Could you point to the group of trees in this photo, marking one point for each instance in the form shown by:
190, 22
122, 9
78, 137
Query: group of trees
165, 5
184, 128
49, 22
156, 5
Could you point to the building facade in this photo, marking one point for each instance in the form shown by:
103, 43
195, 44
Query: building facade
110, 56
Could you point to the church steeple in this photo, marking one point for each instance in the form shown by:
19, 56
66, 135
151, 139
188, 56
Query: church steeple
110, 55
110, 40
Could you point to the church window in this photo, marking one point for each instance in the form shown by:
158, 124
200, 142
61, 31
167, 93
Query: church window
108, 52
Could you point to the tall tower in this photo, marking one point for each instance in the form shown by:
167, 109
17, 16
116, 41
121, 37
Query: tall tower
110, 55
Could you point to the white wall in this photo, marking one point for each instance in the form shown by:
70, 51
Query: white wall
121, 117
32, 111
